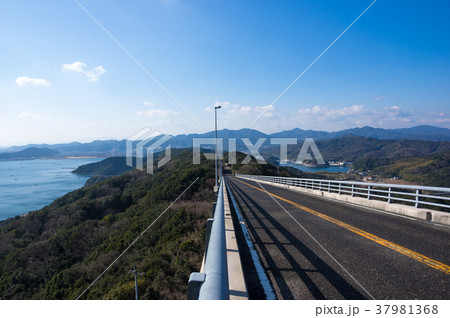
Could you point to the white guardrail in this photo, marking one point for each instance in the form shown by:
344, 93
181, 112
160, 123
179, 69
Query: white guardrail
417, 196
212, 283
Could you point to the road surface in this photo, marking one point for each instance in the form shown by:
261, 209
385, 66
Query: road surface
314, 248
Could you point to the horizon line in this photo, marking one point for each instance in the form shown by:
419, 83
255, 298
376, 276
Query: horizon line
224, 129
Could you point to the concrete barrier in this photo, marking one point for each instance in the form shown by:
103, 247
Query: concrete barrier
236, 281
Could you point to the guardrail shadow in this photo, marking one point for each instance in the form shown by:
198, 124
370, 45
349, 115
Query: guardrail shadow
252, 213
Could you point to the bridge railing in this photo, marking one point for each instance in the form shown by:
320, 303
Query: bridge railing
417, 196
212, 282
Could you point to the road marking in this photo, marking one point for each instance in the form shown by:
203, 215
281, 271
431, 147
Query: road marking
403, 250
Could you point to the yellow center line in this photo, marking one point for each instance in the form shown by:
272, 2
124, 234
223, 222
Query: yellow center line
418, 257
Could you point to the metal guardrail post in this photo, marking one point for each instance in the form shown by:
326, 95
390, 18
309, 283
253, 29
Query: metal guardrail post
389, 195
418, 193
412, 195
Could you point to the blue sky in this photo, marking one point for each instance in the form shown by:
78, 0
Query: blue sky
62, 78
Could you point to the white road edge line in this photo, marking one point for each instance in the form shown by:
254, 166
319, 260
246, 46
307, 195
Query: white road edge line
265, 282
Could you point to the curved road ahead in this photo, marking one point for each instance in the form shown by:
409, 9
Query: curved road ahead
351, 252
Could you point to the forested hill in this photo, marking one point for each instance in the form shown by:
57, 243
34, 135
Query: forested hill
418, 161
29, 153
112, 166
354, 148
56, 252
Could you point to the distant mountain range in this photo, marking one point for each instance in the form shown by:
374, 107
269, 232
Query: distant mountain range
118, 147
30, 153
423, 132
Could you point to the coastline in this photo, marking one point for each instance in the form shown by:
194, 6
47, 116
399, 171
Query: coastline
81, 157
53, 158
42, 180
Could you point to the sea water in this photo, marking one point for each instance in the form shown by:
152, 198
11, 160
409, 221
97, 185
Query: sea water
315, 169
28, 185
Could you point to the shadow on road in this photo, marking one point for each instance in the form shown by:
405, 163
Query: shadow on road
277, 234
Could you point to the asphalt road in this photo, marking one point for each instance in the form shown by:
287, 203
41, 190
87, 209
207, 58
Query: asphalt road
350, 252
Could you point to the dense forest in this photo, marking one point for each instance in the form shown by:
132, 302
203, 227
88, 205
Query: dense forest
56, 252
428, 170
423, 162
112, 166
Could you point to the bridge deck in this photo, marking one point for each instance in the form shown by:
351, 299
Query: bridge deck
382, 256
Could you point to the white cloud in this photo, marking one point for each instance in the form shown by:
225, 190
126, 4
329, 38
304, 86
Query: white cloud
149, 104
74, 67
378, 98
236, 109
25, 81
441, 121
439, 114
239, 110
79, 67
235, 116
319, 117
266, 111
333, 113
30, 115
224, 104
94, 74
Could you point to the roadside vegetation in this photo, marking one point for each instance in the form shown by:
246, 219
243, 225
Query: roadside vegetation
415, 161
56, 252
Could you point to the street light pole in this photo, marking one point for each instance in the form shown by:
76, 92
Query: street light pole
136, 274
135, 282
215, 156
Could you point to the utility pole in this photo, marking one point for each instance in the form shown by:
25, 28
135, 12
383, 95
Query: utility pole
136, 274
215, 156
